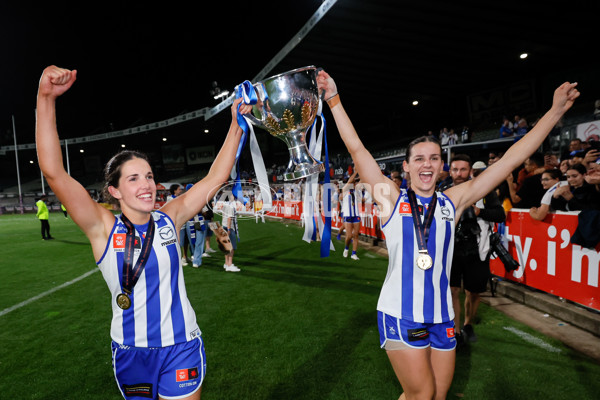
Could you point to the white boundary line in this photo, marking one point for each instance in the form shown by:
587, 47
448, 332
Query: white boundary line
533, 340
39, 296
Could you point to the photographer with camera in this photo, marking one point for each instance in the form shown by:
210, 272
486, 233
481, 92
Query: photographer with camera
471, 260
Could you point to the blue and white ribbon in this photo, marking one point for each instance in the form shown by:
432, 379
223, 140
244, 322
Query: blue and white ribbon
246, 91
312, 219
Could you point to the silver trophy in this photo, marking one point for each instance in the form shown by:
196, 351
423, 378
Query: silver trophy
286, 108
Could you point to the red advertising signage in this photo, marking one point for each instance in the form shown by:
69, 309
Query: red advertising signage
549, 262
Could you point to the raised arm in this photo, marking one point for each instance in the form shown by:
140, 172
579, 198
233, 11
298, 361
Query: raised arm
184, 207
469, 192
84, 211
350, 183
384, 191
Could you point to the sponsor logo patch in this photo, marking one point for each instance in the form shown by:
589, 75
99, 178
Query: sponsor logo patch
119, 240
404, 208
138, 390
450, 332
187, 374
417, 334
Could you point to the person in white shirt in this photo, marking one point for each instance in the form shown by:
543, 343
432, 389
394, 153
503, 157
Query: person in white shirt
550, 182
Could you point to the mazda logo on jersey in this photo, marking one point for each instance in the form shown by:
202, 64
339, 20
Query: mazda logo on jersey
166, 233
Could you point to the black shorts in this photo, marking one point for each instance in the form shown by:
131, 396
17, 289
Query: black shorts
470, 271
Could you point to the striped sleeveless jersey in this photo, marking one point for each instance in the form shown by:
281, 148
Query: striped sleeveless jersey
409, 292
160, 314
350, 206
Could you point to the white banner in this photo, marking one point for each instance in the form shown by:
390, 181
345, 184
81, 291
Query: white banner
589, 130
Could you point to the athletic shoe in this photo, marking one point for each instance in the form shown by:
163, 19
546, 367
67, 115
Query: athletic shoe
184, 261
211, 251
345, 253
231, 268
469, 333
50, 238
205, 255
354, 257
195, 266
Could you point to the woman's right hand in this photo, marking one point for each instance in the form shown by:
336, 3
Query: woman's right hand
55, 81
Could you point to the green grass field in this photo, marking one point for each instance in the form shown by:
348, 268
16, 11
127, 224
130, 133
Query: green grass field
290, 325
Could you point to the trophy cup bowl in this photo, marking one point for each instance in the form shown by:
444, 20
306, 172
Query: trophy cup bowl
286, 108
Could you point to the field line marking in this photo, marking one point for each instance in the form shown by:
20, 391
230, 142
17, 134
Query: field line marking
533, 340
39, 296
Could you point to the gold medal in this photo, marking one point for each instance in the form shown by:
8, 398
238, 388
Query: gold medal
424, 261
123, 301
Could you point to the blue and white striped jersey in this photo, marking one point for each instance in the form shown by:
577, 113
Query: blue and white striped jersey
409, 292
160, 314
350, 205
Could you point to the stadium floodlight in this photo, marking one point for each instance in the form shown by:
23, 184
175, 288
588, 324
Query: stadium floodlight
221, 94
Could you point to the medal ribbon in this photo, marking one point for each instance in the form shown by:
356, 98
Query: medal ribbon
131, 275
422, 229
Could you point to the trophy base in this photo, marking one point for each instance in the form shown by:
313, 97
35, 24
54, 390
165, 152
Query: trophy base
302, 171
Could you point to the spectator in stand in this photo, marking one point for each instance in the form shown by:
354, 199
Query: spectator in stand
591, 155
514, 125
575, 145
452, 138
551, 161
465, 135
522, 127
550, 181
494, 156
593, 175
579, 195
576, 157
506, 129
531, 191
563, 167
444, 136
430, 133
503, 193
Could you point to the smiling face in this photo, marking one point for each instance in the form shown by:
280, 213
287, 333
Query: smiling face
424, 166
575, 178
548, 180
136, 191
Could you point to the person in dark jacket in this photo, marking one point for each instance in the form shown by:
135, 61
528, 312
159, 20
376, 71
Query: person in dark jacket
578, 195
471, 259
